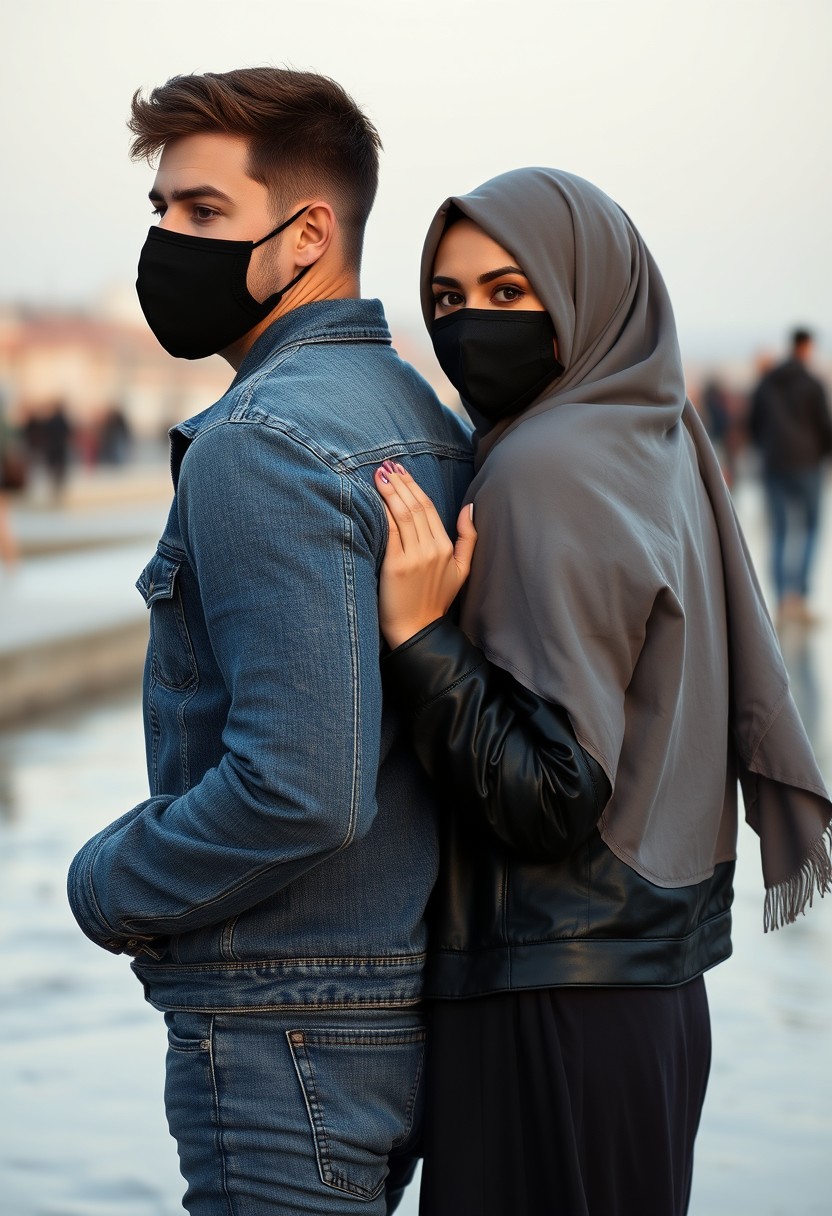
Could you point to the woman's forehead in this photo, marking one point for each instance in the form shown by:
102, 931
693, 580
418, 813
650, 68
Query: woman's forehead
466, 246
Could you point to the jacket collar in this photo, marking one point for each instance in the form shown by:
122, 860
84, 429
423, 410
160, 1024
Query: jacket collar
319, 321
343, 320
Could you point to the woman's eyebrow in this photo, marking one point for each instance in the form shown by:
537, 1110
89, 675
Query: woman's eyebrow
490, 275
442, 280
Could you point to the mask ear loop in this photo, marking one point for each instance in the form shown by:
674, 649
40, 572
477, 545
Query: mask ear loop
274, 300
280, 227
278, 295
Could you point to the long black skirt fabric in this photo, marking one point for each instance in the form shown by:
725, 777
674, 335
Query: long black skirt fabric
565, 1102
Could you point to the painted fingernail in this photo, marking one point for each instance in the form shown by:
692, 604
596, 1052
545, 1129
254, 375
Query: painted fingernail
388, 466
382, 476
399, 467
470, 510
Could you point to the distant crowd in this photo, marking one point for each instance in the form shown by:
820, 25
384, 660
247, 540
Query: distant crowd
45, 445
783, 423
49, 440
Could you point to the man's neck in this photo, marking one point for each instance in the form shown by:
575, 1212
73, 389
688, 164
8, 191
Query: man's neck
346, 285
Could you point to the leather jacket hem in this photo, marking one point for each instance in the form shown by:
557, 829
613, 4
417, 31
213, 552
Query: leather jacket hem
584, 962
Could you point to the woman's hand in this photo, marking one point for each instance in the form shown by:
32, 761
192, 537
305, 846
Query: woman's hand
423, 570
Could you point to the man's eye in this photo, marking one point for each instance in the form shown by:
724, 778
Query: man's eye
204, 213
158, 211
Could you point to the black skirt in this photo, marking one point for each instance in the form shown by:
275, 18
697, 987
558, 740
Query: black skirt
565, 1102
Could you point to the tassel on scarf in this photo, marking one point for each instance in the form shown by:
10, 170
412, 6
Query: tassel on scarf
787, 899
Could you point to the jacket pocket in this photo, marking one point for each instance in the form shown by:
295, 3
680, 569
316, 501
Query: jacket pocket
362, 1093
172, 655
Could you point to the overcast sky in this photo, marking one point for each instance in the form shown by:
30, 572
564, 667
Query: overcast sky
708, 122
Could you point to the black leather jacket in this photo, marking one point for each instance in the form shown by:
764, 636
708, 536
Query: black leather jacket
528, 894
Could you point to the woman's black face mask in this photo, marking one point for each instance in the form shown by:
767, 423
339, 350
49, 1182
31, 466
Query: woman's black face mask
194, 294
498, 361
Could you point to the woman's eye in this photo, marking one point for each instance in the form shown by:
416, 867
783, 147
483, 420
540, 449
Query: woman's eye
449, 299
508, 294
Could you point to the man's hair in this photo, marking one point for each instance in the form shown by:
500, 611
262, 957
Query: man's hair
305, 135
800, 337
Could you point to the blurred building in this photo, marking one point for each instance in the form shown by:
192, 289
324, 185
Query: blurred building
92, 364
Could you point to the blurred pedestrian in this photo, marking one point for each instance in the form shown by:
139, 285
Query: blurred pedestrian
115, 437
55, 446
716, 415
31, 434
789, 422
13, 476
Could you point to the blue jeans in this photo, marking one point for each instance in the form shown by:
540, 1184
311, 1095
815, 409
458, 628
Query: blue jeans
794, 511
295, 1112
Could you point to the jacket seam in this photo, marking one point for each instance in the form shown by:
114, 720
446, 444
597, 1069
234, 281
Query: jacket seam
583, 939
355, 657
295, 1006
341, 466
393, 960
423, 705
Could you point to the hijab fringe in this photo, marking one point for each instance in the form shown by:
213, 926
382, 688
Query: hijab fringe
787, 899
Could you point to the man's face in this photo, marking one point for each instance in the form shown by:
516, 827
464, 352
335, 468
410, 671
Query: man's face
202, 189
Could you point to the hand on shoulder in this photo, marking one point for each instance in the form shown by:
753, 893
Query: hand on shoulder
423, 570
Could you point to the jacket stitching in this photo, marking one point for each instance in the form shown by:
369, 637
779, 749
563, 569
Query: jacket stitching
450, 688
351, 612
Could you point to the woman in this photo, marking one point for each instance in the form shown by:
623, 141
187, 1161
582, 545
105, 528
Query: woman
613, 673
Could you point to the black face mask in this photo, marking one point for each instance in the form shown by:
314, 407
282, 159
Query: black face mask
498, 361
194, 294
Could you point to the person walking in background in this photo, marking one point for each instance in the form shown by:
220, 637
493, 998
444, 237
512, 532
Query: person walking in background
613, 673
13, 475
56, 445
272, 888
716, 415
115, 437
789, 422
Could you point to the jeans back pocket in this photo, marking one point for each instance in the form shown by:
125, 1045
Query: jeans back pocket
362, 1092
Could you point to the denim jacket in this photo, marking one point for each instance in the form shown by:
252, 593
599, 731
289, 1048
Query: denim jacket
289, 846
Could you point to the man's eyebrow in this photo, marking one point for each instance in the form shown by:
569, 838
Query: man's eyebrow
177, 196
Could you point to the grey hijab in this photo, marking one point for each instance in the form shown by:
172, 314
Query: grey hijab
611, 574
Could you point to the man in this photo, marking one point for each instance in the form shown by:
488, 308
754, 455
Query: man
789, 422
272, 889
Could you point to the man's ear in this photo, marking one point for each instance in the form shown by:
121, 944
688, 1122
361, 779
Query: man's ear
315, 234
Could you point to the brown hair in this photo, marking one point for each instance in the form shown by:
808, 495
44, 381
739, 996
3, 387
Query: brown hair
305, 135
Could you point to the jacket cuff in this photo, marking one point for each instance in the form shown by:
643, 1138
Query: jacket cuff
85, 906
82, 901
429, 664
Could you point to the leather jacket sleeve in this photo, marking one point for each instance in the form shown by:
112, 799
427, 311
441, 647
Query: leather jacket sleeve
508, 756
